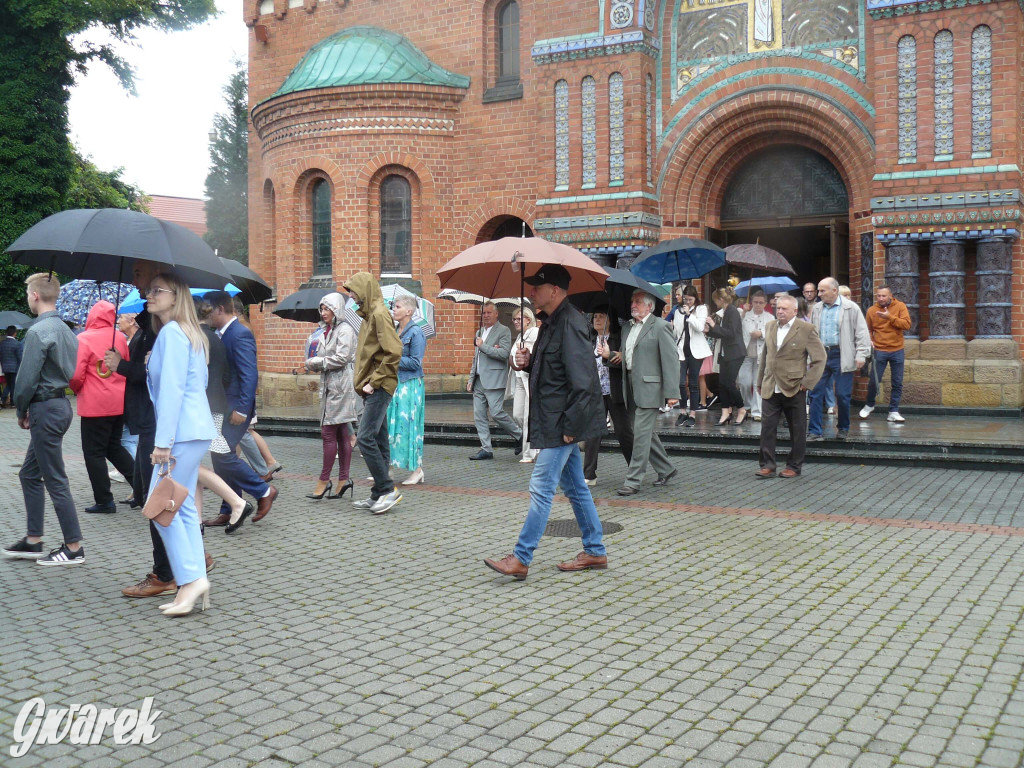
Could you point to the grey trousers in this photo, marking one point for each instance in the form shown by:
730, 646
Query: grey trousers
647, 448
491, 401
49, 420
253, 455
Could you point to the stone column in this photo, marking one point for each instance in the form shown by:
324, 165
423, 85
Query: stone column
947, 311
903, 276
995, 275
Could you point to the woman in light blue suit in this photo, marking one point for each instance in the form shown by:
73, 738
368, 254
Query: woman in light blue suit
177, 375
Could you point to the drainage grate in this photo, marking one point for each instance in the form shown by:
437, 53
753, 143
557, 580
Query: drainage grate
568, 529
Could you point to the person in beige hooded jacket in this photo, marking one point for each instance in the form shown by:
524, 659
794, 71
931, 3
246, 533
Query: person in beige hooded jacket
378, 352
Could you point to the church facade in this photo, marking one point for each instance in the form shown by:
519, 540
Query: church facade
877, 140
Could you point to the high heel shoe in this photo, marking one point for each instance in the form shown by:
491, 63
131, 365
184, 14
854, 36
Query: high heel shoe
348, 485
189, 595
739, 420
324, 492
725, 420
415, 478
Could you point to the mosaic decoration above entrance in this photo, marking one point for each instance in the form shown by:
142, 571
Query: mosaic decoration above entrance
710, 34
784, 182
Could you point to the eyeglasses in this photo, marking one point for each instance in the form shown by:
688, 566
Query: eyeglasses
161, 290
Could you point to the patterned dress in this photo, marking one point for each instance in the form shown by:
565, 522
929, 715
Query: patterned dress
406, 411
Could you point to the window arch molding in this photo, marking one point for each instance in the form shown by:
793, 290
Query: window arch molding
305, 186
503, 36
395, 223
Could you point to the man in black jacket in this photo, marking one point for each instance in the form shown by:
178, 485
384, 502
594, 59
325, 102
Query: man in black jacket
141, 421
566, 408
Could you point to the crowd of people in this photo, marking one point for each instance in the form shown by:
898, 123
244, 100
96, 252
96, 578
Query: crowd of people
164, 388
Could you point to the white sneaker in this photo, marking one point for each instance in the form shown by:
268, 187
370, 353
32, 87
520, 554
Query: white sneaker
831, 411
866, 411
363, 503
895, 417
384, 503
592, 482
116, 476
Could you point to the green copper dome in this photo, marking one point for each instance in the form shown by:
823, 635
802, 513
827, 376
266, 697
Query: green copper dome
366, 56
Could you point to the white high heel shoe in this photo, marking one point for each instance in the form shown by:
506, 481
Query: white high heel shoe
415, 478
189, 594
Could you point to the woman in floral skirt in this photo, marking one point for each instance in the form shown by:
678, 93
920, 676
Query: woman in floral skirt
405, 414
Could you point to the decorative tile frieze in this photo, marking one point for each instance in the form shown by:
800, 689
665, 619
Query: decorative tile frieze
590, 46
589, 133
603, 235
981, 90
906, 67
616, 129
385, 124
944, 93
562, 134
622, 14
969, 216
604, 220
946, 200
887, 9
649, 125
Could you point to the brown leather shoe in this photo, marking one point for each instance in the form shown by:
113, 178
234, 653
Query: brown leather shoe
509, 565
264, 505
585, 562
764, 473
788, 473
271, 472
218, 522
150, 586
210, 562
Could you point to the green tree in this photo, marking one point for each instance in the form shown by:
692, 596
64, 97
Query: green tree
39, 55
227, 184
92, 188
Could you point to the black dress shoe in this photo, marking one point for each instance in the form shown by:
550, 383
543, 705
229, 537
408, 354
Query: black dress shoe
482, 455
627, 491
841, 434
519, 446
663, 479
107, 508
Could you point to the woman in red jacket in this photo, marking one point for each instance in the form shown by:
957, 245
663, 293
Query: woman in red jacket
101, 404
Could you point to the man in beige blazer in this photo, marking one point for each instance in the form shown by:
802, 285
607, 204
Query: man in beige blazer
792, 361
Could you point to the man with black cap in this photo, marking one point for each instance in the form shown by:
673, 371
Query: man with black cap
566, 408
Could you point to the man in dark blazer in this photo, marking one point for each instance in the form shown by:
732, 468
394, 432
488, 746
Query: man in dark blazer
487, 380
792, 361
565, 409
650, 380
240, 345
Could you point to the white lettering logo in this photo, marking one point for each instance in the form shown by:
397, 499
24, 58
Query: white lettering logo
82, 724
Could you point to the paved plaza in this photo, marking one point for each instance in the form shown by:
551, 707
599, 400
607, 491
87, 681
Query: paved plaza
858, 616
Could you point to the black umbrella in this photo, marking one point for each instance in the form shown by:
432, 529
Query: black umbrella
15, 318
255, 290
103, 244
617, 294
303, 305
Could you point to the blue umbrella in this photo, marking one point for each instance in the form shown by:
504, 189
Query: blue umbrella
77, 297
133, 302
770, 285
678, 259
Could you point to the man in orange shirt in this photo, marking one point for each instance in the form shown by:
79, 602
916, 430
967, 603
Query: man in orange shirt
887, 320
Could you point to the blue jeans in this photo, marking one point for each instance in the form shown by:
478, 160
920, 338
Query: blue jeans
374, 443
553, 467
129, 441
895, 362
844, 389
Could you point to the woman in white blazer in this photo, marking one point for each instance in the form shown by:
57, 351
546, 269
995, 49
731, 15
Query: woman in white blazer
688, 329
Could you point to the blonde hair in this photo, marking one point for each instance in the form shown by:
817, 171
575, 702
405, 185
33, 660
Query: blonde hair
44, 284
845, 292
527, 315
183, 313
726, 294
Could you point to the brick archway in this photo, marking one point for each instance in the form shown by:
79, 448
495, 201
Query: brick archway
492, 210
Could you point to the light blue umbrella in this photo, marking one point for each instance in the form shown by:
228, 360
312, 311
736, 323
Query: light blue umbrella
769, 285
134, 303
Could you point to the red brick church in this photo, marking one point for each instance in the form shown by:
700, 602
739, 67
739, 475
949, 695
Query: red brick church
872, 141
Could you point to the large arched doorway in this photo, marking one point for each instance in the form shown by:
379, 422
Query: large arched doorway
503, 226
793, 200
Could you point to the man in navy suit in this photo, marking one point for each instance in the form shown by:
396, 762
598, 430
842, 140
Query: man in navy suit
240, 345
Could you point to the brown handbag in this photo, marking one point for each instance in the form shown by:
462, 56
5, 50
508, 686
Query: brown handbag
166, 498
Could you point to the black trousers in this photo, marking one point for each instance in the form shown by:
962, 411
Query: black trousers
140, 483
8, 393
689, 380
729, 394
795, 409
622, 425
101, 440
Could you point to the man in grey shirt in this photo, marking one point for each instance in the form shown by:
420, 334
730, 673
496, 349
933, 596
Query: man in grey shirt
47, 364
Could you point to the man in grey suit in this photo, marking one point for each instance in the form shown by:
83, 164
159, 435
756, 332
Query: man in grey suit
650, 380
487, 380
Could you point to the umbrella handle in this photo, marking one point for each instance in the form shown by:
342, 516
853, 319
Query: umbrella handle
103, 374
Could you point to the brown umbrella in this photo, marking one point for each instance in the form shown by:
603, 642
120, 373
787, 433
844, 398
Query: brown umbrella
497, 268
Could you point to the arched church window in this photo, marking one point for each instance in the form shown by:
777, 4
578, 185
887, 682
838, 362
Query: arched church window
906, 64
395, 226
321, 210
981, 91
616, 130
589, 137
508, 42
562, 134
944, 95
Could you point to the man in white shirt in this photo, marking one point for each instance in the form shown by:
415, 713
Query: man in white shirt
792, 361
487, 380
754, 323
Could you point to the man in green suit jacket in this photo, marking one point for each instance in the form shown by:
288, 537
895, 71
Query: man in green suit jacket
650, 379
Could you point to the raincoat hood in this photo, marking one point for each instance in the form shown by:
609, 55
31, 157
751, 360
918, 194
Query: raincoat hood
336, 303
101, 316
366, 291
